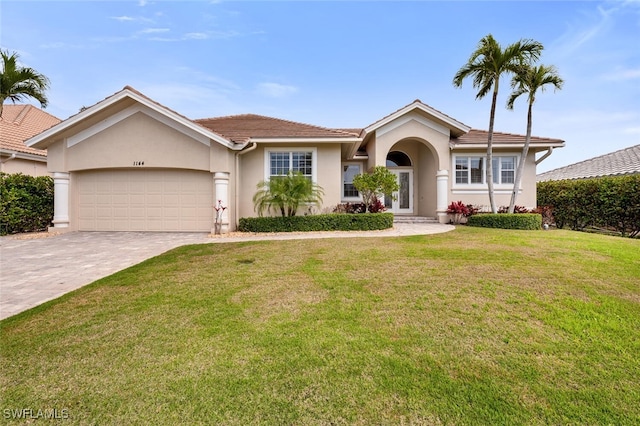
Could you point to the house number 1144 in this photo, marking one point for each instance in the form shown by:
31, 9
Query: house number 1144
138, 163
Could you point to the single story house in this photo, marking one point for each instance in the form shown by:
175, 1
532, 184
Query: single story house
129, 163
17, 124
619, 163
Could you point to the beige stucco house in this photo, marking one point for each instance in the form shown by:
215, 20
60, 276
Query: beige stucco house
18, 123
130, 164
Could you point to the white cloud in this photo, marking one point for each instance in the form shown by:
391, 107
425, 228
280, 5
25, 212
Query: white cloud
623, 74
196, 36
154, 30
123, 18
276, 90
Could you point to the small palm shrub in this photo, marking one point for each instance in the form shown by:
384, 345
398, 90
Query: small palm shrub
286, 194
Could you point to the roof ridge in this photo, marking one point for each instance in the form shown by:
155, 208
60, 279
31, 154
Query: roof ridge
22, 114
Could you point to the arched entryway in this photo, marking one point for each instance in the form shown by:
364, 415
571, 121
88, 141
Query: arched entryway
400, 164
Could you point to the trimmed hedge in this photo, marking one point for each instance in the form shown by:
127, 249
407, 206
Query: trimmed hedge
531, 221
26, 203
611, 202
320, 222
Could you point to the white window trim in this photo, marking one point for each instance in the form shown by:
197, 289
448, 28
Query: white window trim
314, 160
342, 197
482, 187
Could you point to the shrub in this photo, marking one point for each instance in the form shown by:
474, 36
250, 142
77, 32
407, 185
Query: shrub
321, 222
353, 208
610, 202
375, 184
546, 212
26, 203
506, 221
516, 209
459, 210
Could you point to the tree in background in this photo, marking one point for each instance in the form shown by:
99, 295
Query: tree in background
486, 65
18, 83
375, 184
527, 82
286, 194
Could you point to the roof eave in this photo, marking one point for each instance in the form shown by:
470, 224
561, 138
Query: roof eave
543, 145
322, 140
24, 155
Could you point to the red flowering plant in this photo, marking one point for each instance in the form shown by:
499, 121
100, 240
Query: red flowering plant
459, 210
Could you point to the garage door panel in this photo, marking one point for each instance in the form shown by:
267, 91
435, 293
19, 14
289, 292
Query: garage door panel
145, 200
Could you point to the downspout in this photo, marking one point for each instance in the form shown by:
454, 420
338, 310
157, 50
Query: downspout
548, 153
11, 157
236, 201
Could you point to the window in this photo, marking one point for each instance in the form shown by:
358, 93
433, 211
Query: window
471, 170
504, 169
349, 171
281, 162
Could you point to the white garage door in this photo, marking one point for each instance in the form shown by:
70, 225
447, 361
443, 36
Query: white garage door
145, 200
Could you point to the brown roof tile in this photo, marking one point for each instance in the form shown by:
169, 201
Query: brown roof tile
623, 162
240, 128
479, 137
20, 122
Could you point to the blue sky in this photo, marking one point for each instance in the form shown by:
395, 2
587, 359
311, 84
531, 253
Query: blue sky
338, 63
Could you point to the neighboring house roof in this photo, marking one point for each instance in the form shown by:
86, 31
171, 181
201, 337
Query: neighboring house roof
623, 162
478, 138
245, 127
20, 122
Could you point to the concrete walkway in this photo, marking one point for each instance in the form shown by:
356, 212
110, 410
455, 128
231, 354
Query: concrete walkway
35, 270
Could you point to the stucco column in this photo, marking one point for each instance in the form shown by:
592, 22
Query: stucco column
60, 200
221, 182
442, 200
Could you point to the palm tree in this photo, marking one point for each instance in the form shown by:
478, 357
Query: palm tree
17, 82
529, 81
486, 65
286, 194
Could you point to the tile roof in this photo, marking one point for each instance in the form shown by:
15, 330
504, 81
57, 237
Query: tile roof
240, 128
20, 122
479, 137
623, 162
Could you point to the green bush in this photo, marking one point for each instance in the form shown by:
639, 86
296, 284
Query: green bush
26, 203
321, 222
506, 221
611, 202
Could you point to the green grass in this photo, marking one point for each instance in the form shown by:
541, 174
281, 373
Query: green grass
476, 326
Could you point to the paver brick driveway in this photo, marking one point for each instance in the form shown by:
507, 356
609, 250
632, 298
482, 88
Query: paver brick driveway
33, 271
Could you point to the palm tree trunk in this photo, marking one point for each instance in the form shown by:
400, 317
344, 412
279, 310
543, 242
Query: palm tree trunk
520, 170
489, 165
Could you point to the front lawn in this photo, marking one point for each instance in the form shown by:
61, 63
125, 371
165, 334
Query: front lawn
475, 326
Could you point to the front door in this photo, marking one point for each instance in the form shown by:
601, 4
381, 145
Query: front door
403, 203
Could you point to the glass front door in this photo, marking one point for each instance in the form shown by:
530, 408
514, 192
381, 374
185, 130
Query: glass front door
403, 203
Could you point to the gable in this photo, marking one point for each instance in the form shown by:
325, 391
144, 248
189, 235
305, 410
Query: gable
137, 140
125, 114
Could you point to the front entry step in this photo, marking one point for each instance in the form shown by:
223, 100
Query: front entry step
414, 219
